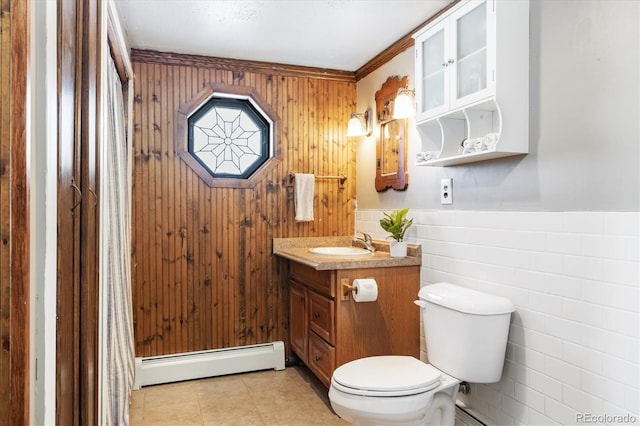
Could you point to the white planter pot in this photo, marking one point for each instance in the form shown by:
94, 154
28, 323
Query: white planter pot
398, 248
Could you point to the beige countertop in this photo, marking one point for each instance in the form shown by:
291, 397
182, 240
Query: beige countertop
297, 250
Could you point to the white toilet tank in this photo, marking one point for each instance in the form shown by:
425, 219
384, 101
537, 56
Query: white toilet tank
466, 331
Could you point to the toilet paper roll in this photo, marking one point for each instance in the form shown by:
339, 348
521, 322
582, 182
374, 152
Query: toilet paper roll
366, 290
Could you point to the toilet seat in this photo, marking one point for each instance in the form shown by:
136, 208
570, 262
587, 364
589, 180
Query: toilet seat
385, 376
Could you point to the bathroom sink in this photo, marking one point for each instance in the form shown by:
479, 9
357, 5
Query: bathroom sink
339, 251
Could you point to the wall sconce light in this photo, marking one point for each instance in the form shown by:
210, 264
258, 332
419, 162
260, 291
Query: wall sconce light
403, 104
360, 124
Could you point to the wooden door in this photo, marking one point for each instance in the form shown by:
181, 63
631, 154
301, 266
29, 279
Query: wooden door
77, 290
89, 294
69, 198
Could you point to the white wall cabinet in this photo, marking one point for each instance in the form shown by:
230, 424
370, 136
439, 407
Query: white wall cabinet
472, 83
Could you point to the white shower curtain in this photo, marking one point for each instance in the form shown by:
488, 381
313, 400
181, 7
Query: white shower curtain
117, 355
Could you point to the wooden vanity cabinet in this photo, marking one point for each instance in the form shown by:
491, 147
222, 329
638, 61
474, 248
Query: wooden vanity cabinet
328, 329
298, 325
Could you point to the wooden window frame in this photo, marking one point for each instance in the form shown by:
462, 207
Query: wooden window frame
182, 136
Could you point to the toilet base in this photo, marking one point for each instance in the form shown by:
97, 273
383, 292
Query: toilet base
436, 407
442, 411
369, 411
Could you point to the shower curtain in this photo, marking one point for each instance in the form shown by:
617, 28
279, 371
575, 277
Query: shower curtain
117, 352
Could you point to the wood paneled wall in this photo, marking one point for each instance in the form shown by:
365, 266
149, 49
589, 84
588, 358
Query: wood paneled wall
203, 271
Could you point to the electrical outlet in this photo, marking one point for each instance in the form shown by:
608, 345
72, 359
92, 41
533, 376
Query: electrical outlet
446, 191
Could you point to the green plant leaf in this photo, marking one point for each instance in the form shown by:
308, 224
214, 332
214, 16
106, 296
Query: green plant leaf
396, 223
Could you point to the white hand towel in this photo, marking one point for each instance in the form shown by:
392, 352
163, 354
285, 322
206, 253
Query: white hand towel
304, 191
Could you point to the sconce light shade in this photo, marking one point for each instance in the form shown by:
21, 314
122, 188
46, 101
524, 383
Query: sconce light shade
403, 105
359, 124
355, 128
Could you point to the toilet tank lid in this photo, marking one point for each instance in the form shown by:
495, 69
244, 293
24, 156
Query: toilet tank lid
465, 300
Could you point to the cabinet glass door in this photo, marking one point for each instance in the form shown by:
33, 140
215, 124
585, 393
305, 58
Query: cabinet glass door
434, 77
471, 51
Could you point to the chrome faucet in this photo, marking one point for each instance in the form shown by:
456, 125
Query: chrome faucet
366, 241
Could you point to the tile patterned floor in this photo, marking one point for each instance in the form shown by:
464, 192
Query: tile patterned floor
287, 397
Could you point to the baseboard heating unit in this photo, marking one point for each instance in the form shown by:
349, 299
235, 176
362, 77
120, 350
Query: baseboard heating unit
211, 363
464, 418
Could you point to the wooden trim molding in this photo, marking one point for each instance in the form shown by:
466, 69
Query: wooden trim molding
385, 56
118, 44
396, 48
239, 66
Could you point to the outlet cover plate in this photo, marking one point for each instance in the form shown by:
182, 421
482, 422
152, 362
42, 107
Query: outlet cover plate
446, 191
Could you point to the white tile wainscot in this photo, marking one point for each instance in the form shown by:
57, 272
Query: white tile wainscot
574, 278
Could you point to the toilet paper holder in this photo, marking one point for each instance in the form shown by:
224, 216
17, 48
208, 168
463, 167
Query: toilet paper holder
347, 288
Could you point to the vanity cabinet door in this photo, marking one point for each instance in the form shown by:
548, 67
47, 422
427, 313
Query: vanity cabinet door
298, 320
322, 358
322, 317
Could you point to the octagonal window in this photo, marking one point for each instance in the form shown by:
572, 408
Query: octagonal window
226, 135
230, 137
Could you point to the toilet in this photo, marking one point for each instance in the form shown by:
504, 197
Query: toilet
466, 333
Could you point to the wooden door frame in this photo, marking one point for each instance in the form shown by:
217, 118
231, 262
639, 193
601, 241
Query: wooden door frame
15, 116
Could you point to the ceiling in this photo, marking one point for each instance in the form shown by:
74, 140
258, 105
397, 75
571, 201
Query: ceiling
335, 34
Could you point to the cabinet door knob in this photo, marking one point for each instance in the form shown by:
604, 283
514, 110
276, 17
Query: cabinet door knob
444, 64
316, 314
318, 358
450, 61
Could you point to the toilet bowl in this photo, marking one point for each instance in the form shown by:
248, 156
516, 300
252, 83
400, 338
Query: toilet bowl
402, 390
392, 390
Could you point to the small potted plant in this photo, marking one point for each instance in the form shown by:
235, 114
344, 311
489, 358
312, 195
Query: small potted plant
396, 224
